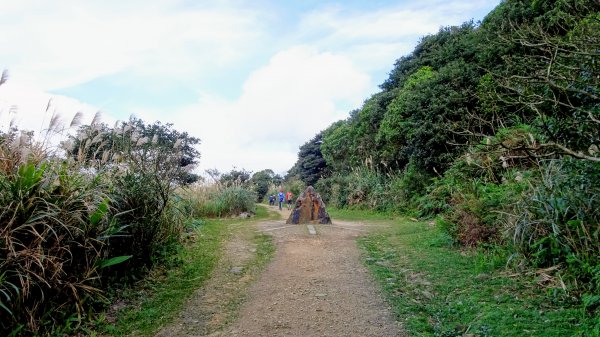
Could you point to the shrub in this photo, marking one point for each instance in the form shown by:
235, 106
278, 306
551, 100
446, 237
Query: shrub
150, 224
479, 192
366, 188
215, 201
69, 227
53, 230
559, 222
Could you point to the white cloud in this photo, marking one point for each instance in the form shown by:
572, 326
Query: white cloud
58, 44
375, 39
283, 104
318, 68
31, 109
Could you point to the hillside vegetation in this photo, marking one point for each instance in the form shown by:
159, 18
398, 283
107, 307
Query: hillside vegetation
82, 221
493, 127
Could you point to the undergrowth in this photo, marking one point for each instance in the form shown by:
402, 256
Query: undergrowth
156, 301
438, 290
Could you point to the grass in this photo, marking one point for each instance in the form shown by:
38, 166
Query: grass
436, 290
161, 298
357, 214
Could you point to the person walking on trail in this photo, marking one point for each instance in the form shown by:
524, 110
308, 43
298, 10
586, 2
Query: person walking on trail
289, 196
280, 199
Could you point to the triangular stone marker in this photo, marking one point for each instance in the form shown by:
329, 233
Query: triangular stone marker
309, 208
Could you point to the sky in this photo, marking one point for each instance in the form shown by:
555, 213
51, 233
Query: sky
254, 80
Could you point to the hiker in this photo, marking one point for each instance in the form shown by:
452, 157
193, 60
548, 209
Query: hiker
289, 196
271, 200
281, 196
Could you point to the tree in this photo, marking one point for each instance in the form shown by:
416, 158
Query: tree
235, 177
311, 166
262, 181
140, 144
555, 81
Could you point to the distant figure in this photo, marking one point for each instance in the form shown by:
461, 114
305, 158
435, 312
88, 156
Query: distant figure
289, 196
281, 196
271, 200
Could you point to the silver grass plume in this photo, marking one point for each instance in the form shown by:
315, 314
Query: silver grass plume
25, 151
55, 122
105, 157
49, 104
100, 147
76, 121
142, 141
67, 145
4, 77
96, 119
98, 138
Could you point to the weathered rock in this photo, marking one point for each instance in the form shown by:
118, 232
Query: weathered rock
309, 209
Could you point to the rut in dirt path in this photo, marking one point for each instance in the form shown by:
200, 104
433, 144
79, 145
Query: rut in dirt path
315, 286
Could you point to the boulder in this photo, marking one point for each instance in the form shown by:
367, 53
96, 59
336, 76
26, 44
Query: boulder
309, 209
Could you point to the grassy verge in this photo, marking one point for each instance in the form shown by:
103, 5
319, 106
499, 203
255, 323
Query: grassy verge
436, 290
356, 215
161, 298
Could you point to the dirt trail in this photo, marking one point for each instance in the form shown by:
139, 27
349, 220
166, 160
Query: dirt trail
314, 286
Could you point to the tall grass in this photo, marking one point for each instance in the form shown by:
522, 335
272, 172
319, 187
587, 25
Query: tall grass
53, 231
366, 188
216, 201
75, 222
558, 225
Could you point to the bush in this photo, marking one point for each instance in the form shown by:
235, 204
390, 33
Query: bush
53, 230
213, 201
150, 224
368, 189
72, 226
479, 192
558, 223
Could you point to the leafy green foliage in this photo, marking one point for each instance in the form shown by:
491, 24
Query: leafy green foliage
263, 181
72, 226
215, 201
438, 291
235, 177
53, 232
560, 223
311, 166
136, 143
478, 125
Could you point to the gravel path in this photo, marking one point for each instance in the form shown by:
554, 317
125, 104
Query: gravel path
315, 286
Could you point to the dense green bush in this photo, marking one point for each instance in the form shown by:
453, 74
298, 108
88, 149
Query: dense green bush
54, 227
558, 223
74, 223
368, 189
215, 201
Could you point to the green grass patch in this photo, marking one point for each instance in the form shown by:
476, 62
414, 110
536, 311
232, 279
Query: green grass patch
436, 290
358, 214
161, 298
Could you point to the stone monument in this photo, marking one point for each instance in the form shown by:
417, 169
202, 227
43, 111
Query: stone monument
309, 208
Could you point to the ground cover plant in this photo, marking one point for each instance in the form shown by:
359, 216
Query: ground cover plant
436, 290
157, 300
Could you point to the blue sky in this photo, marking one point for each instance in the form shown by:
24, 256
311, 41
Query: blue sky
253, 79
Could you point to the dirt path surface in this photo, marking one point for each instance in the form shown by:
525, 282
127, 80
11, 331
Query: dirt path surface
314, 286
